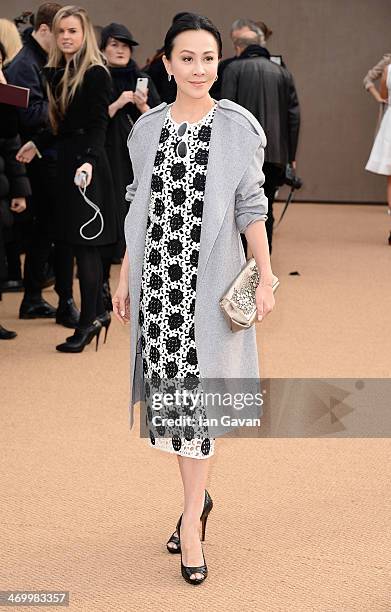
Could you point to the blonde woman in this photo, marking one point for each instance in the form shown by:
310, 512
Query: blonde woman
78, 86
10, 38
379, 160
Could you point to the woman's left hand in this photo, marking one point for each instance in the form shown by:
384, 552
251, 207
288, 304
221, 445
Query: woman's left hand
265, 301
87, 168
140, 100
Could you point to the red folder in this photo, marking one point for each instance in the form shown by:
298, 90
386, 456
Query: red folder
14, 95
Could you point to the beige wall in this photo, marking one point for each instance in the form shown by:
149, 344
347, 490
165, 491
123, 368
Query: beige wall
327, 44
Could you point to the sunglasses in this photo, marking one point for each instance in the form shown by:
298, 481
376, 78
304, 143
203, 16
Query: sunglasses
182, 148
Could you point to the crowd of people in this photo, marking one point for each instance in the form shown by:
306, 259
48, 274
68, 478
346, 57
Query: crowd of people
83, 102
84, 99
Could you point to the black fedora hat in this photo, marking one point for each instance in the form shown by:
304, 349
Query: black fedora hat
118, 31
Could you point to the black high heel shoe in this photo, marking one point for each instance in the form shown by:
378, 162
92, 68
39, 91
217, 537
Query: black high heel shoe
81, 337
108, 304
187, 570
208, 505
105, 320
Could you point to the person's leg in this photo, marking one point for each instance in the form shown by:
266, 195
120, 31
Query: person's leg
13, 280
389, 202
106, 266
63, 266
90, 270
194, 474
100, 303
38, 251
106, 291
244, 242
274, 178
14, 266
389, 192
67, 313
40, 243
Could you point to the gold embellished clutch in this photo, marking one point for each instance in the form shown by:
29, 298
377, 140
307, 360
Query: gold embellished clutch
238, 304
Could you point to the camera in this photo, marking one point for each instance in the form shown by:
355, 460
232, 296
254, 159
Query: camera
291, 179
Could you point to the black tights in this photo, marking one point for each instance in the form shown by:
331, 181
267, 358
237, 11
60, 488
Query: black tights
106, 263
89, 265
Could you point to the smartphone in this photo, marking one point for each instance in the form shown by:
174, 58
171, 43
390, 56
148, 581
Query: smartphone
142, 84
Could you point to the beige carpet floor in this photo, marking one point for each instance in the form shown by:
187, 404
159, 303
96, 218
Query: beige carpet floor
298, 524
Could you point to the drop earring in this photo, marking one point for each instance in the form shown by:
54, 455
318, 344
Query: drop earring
169, 77
216, 78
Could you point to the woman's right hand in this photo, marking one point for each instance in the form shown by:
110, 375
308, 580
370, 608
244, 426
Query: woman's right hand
26, 153
125, 98
382, 100
121, 302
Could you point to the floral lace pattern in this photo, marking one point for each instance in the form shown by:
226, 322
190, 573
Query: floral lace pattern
168, 288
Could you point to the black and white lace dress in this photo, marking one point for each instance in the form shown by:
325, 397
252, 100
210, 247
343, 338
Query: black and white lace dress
168, 287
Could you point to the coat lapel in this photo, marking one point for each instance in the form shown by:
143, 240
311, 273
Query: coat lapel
143, 158
231, 150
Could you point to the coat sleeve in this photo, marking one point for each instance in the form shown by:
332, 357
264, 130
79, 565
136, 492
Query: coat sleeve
293, 118
375, 73
250, 201
132, 188
25, 74
98, 89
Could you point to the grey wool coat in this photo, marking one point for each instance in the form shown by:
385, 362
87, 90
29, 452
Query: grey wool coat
233, 199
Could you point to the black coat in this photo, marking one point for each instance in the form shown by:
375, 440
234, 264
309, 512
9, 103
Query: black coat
81, 138
215, 90
124, 79
268, 92
13, 180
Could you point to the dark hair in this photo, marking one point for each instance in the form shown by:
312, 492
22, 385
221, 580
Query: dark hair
180, 16
45, 14
3, 52
190, 21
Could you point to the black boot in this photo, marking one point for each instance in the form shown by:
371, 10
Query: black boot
107, 303
81, 337
36, 308
5, 334
67, 314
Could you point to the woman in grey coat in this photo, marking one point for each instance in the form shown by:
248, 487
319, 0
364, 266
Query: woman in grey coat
197, 184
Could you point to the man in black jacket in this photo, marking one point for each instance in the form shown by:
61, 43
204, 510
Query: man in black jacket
25, 71
268, 92
240, 28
